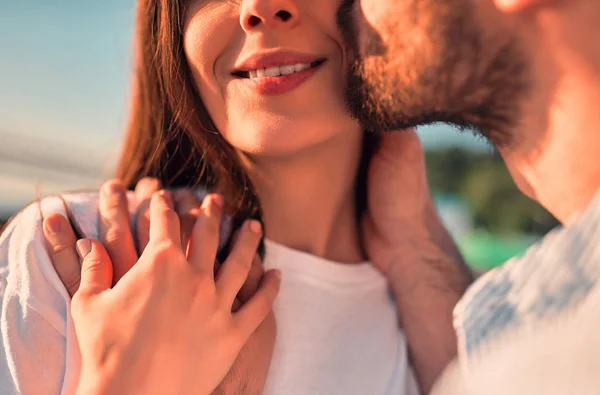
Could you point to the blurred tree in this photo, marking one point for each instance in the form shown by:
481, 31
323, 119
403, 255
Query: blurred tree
447, 168
484, 182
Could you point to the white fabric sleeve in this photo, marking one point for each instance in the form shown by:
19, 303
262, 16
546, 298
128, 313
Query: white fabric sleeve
39, 351
34, 311
560, 357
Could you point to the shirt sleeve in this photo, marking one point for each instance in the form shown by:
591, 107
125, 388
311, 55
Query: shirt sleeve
34, 311
39, 352
531, 326
559, 357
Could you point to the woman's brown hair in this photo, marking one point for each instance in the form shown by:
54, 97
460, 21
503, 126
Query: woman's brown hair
170, 134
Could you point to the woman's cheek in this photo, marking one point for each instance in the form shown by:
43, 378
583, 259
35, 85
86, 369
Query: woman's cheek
208, 38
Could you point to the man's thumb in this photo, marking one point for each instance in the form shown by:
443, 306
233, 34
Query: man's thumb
402, 142
96, 267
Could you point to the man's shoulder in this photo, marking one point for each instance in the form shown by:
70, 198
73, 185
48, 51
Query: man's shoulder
558, 357
27, 278
552, 277
23, 233
79, 206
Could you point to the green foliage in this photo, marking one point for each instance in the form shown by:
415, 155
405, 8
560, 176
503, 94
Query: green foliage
483, 181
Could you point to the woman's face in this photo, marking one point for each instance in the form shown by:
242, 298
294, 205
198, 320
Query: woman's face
271, 72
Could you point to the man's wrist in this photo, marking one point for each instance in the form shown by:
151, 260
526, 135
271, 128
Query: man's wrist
98, 383
428, 277
430, 262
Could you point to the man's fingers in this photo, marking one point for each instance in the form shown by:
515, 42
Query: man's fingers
144, 190
252, 281
115, 229
187, 206
235, 269
146, 187
404, 145
96, 267
205, 235
61, 241
253, 312
164, 222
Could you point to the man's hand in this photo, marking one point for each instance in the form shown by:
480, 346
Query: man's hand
407, 242
248, 374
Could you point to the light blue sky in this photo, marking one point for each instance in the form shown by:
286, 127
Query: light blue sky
64, 77
64, 68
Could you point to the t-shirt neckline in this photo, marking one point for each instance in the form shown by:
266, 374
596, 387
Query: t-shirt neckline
286, 258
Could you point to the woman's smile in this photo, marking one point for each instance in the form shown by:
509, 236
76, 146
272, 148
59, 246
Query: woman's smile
277, 73
271, 74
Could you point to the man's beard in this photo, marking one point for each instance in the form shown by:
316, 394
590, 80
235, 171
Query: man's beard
437, 66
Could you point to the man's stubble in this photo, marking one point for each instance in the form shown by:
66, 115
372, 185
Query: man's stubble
437, 64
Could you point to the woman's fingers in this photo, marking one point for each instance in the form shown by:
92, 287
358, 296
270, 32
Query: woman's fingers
205, 235
144, 190
253, 312
96, 268
61, 240
115, 229
187, 206
164, 222
235, 269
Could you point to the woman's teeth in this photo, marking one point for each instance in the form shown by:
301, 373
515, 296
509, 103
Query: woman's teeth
280, 70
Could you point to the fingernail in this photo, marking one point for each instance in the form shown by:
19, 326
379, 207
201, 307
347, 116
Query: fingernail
84, 246
52, 225
148, 185
179, 195
166, 195
112, 188
255, 226
277, 274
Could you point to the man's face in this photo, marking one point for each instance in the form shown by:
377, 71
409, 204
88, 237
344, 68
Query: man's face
425, 61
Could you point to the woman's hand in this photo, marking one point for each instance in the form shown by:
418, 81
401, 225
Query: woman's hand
163, 297
249, 372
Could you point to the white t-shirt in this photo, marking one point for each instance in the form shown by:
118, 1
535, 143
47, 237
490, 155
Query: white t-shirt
337, 326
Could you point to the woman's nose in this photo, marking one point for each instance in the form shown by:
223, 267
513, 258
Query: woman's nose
268, 13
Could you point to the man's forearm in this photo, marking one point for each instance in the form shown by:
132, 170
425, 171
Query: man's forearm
427, 284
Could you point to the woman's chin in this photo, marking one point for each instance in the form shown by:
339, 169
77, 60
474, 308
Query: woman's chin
273, 147
283, 145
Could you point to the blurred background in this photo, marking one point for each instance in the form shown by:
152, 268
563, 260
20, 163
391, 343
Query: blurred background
65, 67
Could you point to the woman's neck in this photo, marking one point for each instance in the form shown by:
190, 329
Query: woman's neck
308, 198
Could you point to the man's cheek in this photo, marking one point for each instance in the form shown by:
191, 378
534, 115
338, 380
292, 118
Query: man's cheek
373, 11
520, 171
377, 18
369, 38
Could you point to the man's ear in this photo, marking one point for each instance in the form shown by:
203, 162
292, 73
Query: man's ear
511, 6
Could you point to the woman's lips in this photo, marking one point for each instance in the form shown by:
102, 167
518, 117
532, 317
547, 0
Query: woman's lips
281, 84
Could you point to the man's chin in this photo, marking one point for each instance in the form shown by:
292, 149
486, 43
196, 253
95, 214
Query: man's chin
368, 105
